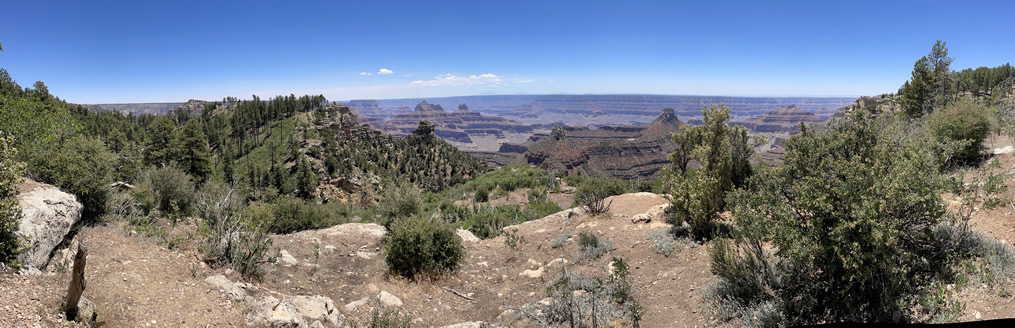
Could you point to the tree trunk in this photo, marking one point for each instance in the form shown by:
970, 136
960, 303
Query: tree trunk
77, 282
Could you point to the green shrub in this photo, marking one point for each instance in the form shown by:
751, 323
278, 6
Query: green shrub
537, 195
488, 221
419, 247
166, 189
963, 121
592, 197
386, 318
592, 301
849, 213
293, 214
590, 248
10, 212
539, 210
79, 165
399, 202
562, 239
665, 241
289, 216
482, 195
232, 235
723, 154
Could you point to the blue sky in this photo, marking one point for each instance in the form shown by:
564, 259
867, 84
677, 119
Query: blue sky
165, 51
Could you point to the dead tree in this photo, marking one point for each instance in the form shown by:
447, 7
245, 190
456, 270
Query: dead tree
77, 282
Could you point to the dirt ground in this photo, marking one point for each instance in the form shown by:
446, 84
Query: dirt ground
983, 302
352, 268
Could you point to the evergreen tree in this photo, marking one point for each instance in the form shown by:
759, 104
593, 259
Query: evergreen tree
944, 82
10, 213
191, 151
116, 141
932, 84
160, 138
227, 165
917, 92
306, 183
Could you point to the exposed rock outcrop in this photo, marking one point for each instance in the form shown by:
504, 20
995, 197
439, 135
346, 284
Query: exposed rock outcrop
192, 107
626, 152
464, 128
782, 120
49, 215
267, 308
428, 107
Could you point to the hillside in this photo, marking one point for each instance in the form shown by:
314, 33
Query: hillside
625, 152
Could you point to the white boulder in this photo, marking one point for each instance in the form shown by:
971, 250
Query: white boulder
49, 215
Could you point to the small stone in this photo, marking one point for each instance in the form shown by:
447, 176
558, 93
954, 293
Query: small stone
641, 218
389, 300
356, 304
287, 259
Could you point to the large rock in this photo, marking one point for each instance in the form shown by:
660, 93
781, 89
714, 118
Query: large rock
272, 312
277, 310
466, 236
49, 215
389, 300
317, 309
235, 290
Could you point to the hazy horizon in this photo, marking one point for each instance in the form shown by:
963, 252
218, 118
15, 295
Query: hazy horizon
491, 95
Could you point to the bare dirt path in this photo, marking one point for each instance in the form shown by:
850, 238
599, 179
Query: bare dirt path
136, 283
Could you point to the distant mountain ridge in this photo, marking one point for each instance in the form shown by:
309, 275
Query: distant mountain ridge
581, 110
625, 152
464, 128
136, 108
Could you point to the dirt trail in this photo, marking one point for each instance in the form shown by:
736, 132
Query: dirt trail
136, 283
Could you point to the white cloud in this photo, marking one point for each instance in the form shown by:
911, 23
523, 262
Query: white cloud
365, 73
454, 80
384, 71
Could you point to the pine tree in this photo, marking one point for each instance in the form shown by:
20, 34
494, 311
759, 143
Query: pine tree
227, 165
932, 84
116, 141
306, 182
916, 93
192, 153
160, 138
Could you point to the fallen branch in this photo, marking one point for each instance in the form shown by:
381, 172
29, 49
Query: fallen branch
526, 313
457, 293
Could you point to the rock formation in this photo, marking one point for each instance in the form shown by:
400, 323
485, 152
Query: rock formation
782, 120
626, 152
427, 107
49, 215
466, 129
192, 107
